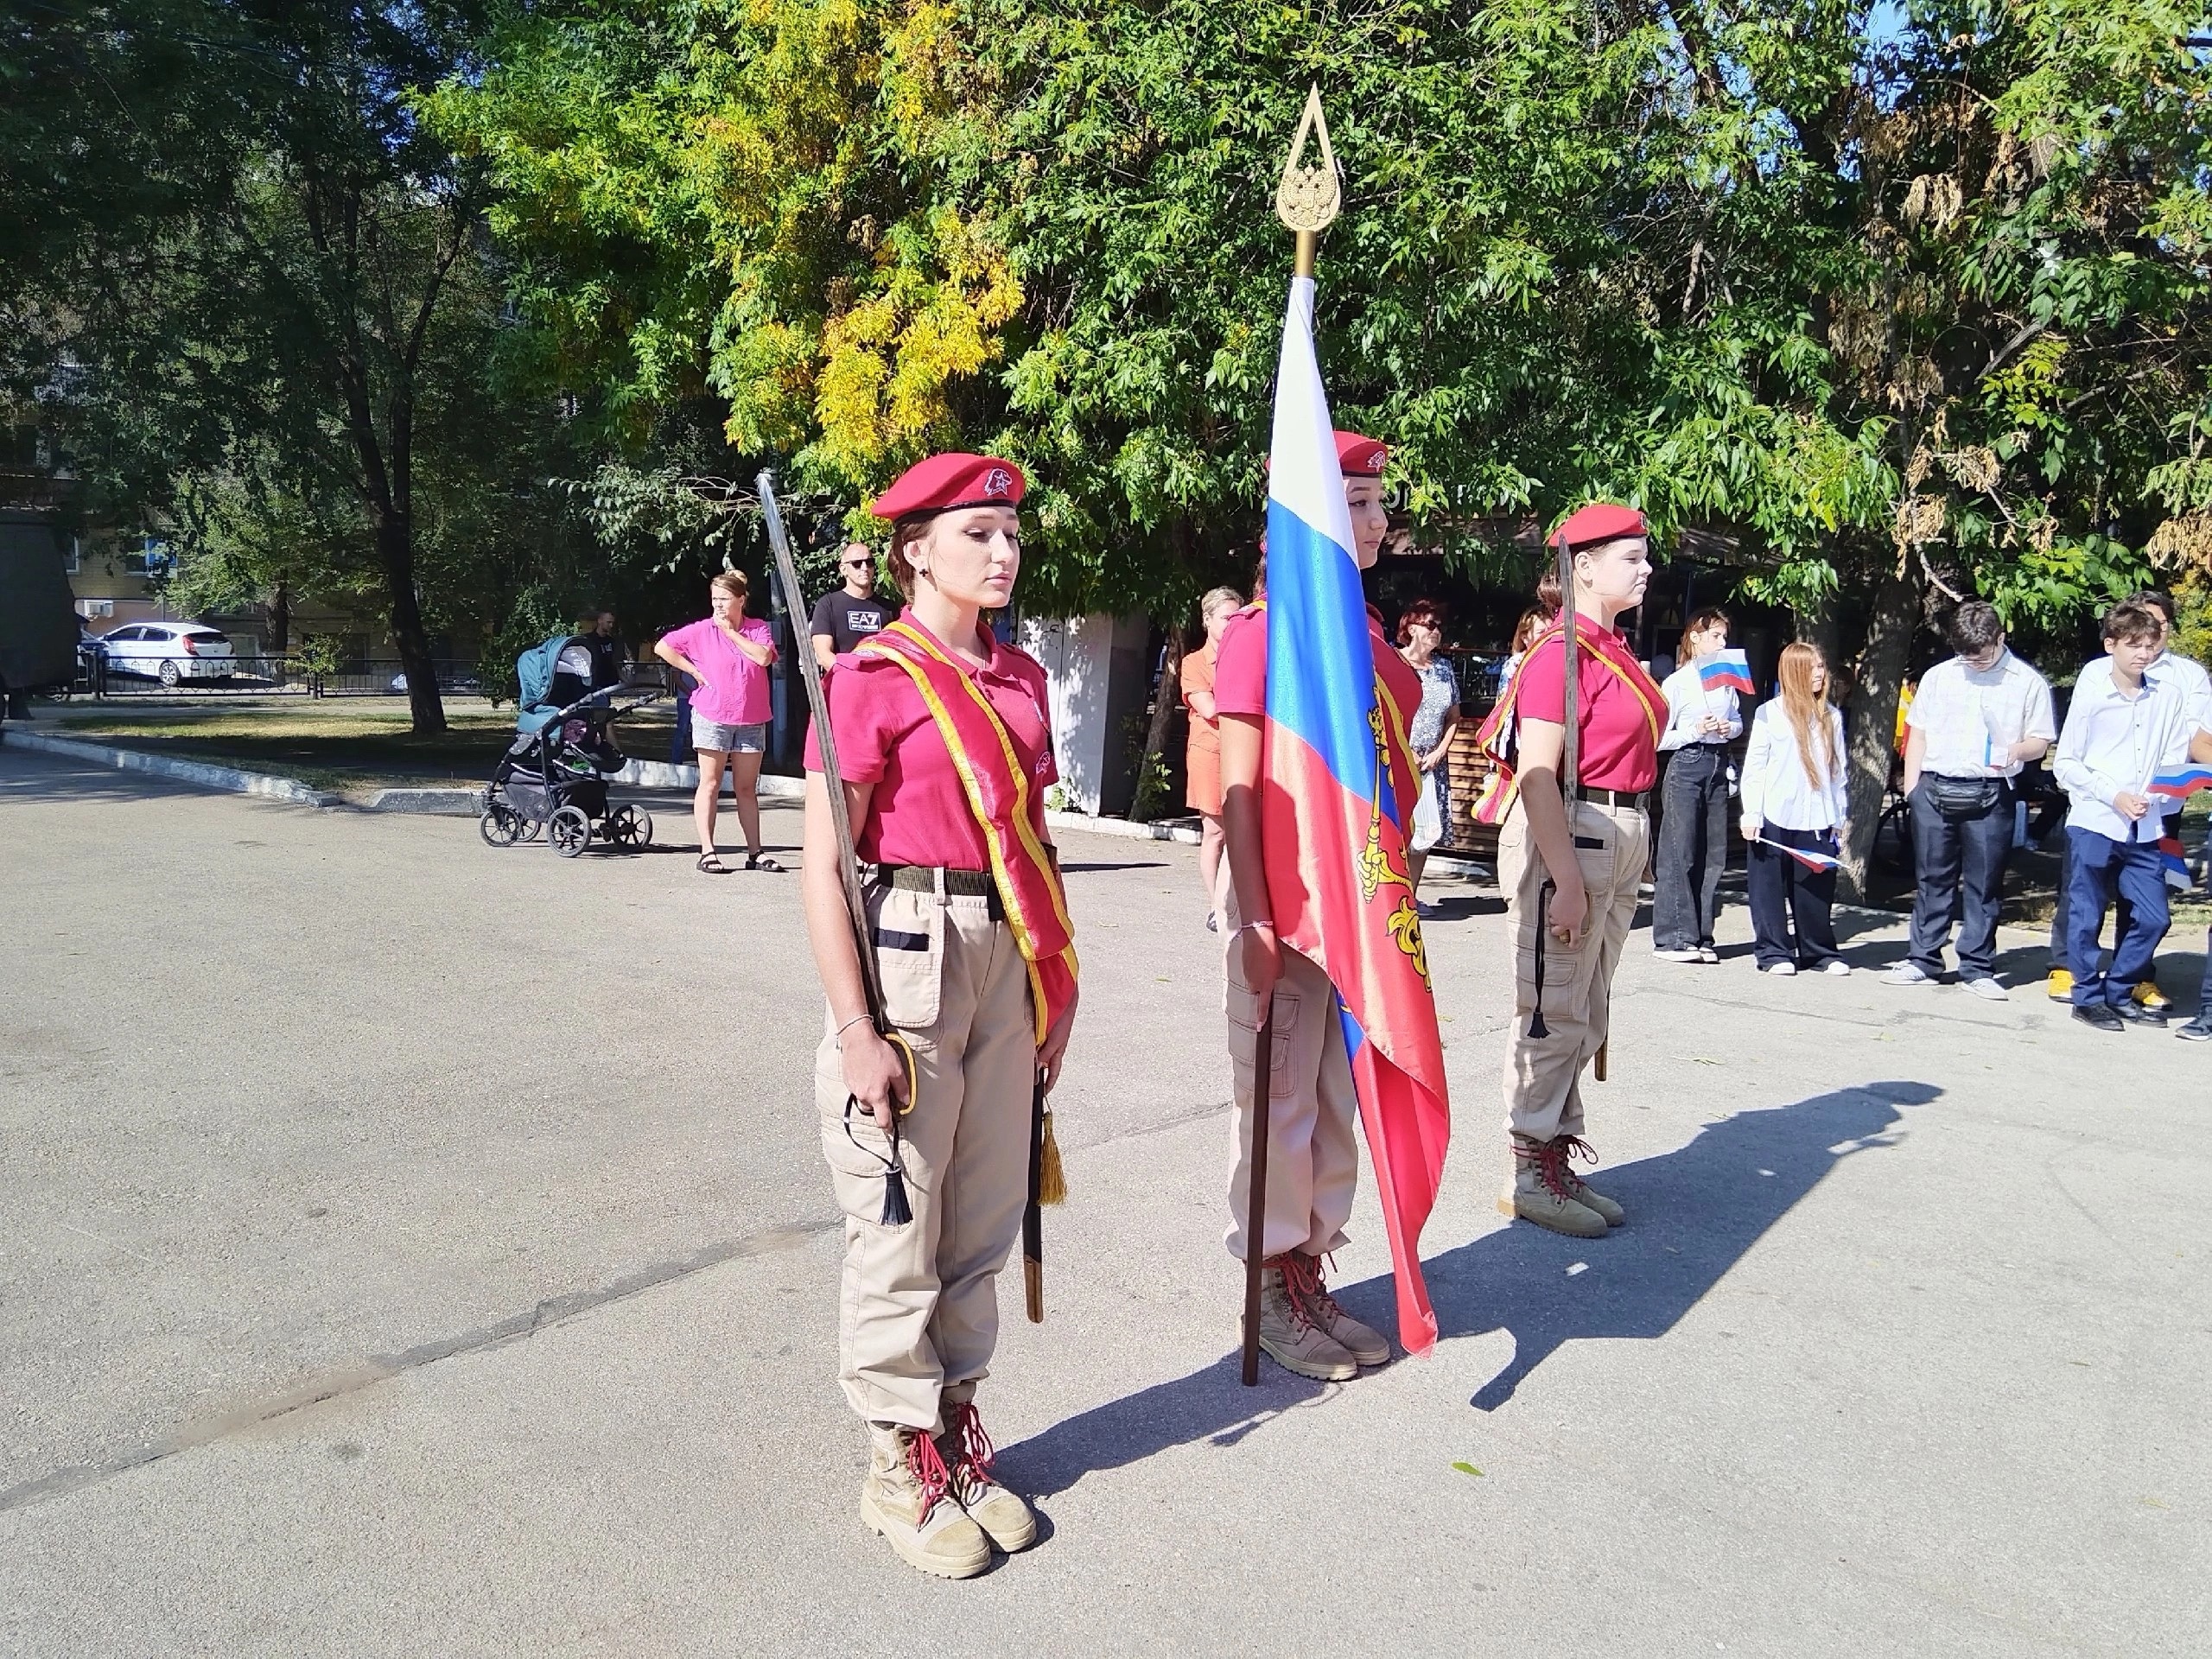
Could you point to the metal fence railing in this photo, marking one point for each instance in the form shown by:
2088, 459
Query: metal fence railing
114, 677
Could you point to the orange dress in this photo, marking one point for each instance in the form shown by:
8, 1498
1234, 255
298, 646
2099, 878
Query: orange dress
1202, 754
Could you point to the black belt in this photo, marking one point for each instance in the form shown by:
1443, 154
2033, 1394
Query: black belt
959, 884
1617, 797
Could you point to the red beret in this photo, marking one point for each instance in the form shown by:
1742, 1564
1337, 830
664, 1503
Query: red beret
1361, 457
1601, 521
944, 482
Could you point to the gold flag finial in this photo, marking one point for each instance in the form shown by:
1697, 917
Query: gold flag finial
1310, 196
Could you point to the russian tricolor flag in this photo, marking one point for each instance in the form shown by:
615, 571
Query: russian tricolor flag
1811, 857
1726, 671
1337, 784
2174, 862
2181, 785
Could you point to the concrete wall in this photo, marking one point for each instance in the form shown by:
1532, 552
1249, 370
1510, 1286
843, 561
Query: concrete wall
1099, 672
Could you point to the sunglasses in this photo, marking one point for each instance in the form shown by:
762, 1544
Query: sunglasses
860, 565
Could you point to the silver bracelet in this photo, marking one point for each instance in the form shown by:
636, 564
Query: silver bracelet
1266, 922
841, 1030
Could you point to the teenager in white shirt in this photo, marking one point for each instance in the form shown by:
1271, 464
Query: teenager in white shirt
1693, 798
2195, 686
2124, 727
1976, 721
1794, 772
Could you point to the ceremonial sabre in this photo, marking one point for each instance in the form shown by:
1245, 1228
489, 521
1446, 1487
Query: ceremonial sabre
1307, 200
896, 1210
1570, 768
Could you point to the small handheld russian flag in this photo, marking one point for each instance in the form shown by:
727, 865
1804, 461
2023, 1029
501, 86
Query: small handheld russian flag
1811, 857
2183, 782
2174, 862
1726, 671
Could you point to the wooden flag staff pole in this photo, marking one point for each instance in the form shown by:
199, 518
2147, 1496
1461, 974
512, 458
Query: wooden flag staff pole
1308, 201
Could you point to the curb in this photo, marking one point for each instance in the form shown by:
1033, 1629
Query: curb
466, 802
229, 779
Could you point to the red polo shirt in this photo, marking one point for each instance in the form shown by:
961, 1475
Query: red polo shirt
1618, 749
1240, 669
918, 813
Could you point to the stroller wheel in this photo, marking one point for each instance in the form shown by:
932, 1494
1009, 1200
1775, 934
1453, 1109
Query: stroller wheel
569, 831
499, 826
629, 828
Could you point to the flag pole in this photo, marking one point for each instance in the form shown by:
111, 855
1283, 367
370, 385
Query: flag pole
1307, 200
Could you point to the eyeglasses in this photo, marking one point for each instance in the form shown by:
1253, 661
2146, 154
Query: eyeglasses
860, 565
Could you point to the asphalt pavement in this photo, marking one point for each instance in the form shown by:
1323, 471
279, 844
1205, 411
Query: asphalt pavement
411, 1247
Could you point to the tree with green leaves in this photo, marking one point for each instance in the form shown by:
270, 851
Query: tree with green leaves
253, 316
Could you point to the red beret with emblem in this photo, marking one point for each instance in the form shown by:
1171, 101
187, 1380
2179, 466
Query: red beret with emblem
1361, 457
1601, 521
944, 482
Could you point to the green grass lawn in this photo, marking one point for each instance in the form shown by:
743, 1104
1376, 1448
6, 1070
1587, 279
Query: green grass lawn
339, 747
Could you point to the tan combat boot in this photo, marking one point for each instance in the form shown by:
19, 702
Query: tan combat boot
1289, 1334
1538, 1191
1567, 1149
1302, 1276
905, 1498
966, 1451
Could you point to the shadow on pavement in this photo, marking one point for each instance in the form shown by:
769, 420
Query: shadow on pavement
1693, 1214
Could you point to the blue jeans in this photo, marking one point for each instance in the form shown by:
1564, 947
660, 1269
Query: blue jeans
2101, 867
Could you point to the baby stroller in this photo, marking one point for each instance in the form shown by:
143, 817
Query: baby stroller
554, 775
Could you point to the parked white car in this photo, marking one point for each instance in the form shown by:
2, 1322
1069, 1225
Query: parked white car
170, 652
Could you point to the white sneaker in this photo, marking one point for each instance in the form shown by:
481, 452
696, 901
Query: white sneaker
1780, 969
1987, 989
1907, 973
1688, 954
1835, 965
1706, 953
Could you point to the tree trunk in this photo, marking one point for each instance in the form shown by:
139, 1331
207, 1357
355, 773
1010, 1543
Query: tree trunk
1164, 704
1873, 717
280, 621
396, 546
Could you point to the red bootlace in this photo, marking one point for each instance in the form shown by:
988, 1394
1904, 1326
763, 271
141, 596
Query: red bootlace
1299, 1280
1570, 1148
976, 1451
1550, 1160
928, 1473
1311, 1292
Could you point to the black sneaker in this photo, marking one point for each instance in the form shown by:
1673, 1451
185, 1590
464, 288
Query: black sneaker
2101, 1015
2198, 1030
2136, 1014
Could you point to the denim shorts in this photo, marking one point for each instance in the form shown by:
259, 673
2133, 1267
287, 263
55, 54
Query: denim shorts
724, 739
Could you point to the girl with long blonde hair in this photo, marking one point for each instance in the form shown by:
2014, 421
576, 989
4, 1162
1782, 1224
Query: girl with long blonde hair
1794, 810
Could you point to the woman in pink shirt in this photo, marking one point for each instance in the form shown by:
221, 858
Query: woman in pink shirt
729, 656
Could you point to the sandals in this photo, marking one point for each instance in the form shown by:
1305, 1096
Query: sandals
711, 863
762, 862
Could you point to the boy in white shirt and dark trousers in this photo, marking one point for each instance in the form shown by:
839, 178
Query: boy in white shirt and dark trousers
1977, 720
2195, 686
1692, 798
2124, 727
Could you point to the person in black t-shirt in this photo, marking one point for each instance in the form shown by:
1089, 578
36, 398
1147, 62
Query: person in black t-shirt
843, 618
596, 628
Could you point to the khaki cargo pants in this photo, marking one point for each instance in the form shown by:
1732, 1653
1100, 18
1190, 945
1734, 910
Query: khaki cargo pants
919, 1309
1312, 1149
1543, 1075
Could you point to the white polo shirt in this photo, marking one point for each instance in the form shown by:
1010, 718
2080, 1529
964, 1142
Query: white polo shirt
2113, 742
1970, 717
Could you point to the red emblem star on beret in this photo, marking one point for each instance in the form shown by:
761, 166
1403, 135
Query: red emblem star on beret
944, 482
1358, 456
1601, 521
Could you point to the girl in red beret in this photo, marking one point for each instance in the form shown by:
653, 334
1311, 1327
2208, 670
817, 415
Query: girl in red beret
1312, 1145
1571, 883
945, 751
